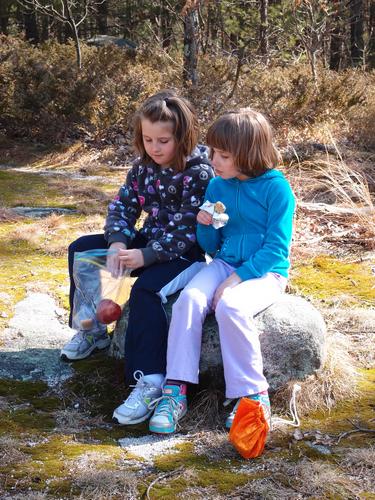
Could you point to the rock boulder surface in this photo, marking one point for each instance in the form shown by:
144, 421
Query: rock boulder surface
292, 334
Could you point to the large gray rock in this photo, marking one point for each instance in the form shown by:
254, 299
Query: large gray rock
292, 335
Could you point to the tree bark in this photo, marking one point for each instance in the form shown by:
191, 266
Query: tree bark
4, 16
356, 31
31, 27
371, 31
336, 38
102, 18
263, 31
73, 27
189, 73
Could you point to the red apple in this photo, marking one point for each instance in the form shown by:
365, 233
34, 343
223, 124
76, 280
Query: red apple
108, 311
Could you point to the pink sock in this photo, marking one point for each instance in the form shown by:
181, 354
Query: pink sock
182, 386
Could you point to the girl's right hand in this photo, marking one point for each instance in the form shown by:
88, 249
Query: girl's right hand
114, 264
204, 217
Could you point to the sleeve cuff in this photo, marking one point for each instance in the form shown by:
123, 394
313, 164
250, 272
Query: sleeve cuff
244, 273
149, 256
117, 237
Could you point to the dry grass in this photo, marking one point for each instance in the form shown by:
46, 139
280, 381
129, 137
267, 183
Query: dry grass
205, 411
362, 457
54, 233
106, 484
214, 445
9, 451
72, 421
304, 479
358, 325
333, 181
335, 382
7, 215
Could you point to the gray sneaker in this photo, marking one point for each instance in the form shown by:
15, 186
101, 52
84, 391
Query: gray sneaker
83, 344
135, 408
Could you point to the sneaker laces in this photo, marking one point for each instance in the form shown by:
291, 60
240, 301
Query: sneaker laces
80, 335
166, 405
133, 400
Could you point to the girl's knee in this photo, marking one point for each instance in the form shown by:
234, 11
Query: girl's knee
192, 296
226, 306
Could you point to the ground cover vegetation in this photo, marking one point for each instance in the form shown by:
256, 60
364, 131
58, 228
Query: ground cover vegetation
65, 142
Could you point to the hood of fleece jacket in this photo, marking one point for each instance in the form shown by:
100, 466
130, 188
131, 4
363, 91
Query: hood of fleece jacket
269, 174
199, 155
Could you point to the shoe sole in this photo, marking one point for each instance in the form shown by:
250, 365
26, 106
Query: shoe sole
117, 417
166, 430
99, 346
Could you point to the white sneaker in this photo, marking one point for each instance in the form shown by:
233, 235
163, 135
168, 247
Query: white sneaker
83, 343
135, 408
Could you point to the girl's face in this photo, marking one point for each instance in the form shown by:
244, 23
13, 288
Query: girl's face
159, 141
223, 163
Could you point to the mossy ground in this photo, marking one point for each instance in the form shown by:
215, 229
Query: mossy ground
335, 281
50, 440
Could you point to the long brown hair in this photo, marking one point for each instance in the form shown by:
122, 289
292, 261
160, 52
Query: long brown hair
247, 135
167, 106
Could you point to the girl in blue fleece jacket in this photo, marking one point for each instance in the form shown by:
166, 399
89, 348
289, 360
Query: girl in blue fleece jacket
248, 272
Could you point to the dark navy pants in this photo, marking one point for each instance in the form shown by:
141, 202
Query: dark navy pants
147, 332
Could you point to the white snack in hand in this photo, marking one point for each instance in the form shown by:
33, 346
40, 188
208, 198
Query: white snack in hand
219, 218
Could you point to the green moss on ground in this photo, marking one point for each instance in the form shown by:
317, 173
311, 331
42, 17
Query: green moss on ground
203, 473
29, 189
331, 280
359, 409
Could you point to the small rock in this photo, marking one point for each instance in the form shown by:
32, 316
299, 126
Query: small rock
298, 435
323, 450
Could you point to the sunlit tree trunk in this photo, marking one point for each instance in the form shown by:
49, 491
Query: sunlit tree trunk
190, 73
263, 31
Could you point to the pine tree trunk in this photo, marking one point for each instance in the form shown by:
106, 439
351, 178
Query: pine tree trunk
190, 47
263, 31
31, 28
371, 31
356, 31
102, 18
4, 16
335, 53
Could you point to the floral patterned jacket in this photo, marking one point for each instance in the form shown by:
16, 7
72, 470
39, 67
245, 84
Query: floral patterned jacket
171, 201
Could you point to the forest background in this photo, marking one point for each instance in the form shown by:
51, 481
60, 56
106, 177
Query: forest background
72, 73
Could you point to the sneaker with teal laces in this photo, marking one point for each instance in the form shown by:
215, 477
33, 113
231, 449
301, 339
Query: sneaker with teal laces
263, 399
135, 409
83, 344
169, 409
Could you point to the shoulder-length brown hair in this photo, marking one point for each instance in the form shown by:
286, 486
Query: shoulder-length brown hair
167, 106
247, 135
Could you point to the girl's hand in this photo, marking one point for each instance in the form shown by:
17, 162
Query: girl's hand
230, 282
114, 265
131, 259
204, 217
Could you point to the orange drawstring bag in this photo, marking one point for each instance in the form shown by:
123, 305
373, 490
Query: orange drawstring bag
249, 429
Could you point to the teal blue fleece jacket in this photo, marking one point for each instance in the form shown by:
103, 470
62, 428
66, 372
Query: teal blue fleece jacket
256, 240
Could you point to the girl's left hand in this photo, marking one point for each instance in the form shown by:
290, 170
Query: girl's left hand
230, 282
132, 259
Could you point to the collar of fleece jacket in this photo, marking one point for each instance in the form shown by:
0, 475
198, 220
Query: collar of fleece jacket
171, 201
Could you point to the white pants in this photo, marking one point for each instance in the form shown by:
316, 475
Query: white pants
239, 339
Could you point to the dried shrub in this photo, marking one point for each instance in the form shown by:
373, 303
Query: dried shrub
335, 382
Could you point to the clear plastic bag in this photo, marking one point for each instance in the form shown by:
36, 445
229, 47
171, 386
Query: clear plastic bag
99, 297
